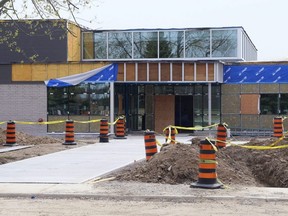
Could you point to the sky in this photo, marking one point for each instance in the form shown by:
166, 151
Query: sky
265, 21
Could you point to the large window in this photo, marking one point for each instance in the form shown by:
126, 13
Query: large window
145, 44
120, 45
224, 43
269, 104
84, 99
197, 43
203, 43
171, 44
100, 45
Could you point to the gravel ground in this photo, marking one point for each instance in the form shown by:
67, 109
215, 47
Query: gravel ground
87, 207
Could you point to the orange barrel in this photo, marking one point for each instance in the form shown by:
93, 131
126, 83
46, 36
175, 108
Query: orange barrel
278, 126
221, 136
11, 133
207, 177
120, 128
150, 144
104, 128
69, 133
170, 131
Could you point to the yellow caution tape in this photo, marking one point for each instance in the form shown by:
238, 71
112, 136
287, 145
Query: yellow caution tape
2, 123
158, 143
90, 121
40, 123
114, 121
190, 128
263, 147
169, 127
214, 147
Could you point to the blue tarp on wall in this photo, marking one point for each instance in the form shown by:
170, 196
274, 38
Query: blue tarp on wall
107, 73
250, 74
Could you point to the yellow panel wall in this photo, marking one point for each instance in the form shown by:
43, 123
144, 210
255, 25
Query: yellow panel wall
74, 43
52, 71
39, 72
42, 72
63, 70
21, 72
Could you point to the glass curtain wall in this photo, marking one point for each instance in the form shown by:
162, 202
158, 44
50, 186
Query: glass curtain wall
82, 102
162, 44
136, 102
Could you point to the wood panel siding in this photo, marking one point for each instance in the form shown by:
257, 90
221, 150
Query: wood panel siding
130, 72
142, 72
177, 72
211, 72
165, 72
21, 72
63, 70
153, 72
201, 72
249, 103
120, 75
74, 43
42, 72
39, 72
127, 72
189, 72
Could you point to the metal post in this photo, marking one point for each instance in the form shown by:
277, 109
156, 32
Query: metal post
111, 106
209, 107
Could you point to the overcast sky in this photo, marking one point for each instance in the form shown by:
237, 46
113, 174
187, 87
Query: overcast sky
265, 21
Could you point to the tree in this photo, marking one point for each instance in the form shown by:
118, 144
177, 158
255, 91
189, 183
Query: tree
44, 9
28, 11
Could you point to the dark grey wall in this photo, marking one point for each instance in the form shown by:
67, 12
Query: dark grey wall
46, 40
5, 74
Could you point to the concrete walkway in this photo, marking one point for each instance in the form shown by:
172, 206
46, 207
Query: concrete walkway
75, 165
78, 165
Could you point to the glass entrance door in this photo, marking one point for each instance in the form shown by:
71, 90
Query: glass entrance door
184, 112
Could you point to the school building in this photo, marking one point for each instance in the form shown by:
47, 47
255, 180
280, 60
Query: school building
155, 77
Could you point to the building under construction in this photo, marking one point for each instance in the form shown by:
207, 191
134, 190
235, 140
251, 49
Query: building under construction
154, 77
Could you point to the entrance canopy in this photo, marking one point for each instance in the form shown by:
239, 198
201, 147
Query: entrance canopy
107, 73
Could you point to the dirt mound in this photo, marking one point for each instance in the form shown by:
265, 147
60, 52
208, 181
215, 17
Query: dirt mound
26, 139
178, 164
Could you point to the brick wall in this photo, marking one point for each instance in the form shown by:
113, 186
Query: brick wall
24, 102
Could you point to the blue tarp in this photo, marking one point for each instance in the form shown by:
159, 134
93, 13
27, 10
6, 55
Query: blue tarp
250, 74
107, 73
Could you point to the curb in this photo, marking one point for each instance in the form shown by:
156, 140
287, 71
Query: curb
188, 199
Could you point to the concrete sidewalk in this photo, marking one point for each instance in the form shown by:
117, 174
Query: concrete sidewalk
77, 165
77, 173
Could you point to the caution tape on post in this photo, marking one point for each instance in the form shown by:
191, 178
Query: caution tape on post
86, 122
113, 123
40, 123
264, 147
213, 146
191, 128
268, 147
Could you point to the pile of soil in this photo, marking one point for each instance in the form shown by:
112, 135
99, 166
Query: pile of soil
26, 139
178, 164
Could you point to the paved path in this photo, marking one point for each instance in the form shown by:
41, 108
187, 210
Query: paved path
75, 165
